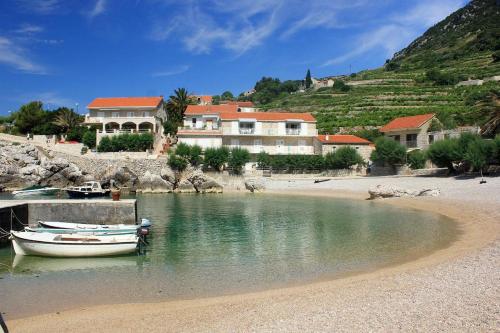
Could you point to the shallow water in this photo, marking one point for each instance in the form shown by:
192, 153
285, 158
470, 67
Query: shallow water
203, 245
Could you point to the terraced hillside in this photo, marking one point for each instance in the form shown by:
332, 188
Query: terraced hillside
406, 86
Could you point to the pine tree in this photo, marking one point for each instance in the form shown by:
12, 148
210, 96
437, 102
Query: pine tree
308, 79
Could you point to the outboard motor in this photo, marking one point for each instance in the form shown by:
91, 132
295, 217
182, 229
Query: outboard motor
145, 223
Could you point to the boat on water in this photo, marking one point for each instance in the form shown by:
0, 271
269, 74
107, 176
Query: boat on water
36, 190
90, 189
84, 231
72, 245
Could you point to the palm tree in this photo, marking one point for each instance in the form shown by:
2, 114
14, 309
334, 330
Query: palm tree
491, 106
177, 104
67, 119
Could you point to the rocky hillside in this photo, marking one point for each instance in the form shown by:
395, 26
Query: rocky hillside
419, 79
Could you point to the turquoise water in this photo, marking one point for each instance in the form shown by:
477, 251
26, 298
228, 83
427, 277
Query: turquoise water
204, 245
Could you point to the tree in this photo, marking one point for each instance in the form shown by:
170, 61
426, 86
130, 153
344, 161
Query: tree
89, 138
67, 119
227, 96
445, 153
308, 79
490, 105
416, 159
238, 158
343, 158
263, 160
176, 106
388, 151
28, 116
216, 157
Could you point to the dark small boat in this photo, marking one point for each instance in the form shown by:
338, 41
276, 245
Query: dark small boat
88, 190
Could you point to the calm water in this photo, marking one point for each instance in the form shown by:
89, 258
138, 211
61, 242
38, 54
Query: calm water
205, 245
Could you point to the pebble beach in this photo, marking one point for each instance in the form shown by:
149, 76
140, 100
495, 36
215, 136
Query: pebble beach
456, 289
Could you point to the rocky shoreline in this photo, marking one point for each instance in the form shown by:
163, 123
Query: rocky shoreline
23, 165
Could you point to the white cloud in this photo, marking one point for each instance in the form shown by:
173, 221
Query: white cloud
400, 29
42, 7
15, 56
28, 29
98, 9
241, 25
172, 71
52, 99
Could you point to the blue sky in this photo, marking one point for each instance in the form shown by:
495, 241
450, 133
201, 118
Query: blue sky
64, 52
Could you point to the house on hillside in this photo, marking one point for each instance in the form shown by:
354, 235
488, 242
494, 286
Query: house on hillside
324, 144
271, 132
411, 131
116, 115
202, 99
243, 106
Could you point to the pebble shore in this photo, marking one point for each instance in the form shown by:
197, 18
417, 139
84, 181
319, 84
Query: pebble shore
452, 290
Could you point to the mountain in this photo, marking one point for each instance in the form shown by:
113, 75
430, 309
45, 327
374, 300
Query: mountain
421, 78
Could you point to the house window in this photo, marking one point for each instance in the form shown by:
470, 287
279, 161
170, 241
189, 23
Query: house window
411, 140
431, 139
292, 128
257, 143
247, 127
130, 114
145, 114
100, 114
116, 114
193, 122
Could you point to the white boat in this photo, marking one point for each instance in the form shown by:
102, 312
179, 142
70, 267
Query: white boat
83, 231
87, 227
90, 189
72, 245
35, 190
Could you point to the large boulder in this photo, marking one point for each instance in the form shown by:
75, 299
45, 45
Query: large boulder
255, 185
185, 186
150, 183
119, 176
203, 183
168, 175
385, 191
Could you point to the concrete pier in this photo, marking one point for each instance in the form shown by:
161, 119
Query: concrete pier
98, 211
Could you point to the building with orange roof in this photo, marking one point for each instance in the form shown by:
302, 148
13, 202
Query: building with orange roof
411, 131
271, 132
117, 115
202, 99
243, 106
324, 144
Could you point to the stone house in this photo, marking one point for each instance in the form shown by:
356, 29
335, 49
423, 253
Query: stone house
411, 131
324, 144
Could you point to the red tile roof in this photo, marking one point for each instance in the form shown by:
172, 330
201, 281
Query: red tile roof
343, 139
210, 109
268, 116
411, 122
241, 104
117, 102
204, 98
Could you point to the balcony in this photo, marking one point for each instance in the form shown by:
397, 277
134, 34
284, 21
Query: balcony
100, 120
247, 130
188, 130
292, 131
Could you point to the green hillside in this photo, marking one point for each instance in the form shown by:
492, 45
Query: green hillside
419, 79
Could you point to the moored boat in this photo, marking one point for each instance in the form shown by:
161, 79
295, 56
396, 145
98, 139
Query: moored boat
90, 189
34, 190
83, 231
88, 227
72, 245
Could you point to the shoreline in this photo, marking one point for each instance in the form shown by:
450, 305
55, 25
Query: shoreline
473, 237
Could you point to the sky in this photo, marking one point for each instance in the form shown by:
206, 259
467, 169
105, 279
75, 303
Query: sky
68, 52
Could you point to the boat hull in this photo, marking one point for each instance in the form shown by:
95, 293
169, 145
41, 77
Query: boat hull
84, 231
83, 194
84, 226
47, 248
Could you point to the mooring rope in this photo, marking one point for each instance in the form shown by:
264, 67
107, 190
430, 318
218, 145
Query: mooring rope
18, 220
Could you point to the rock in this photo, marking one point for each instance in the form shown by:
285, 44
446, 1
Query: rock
150, 183
121, 177
185, 186
168, 174
384, 191
203, 183
254, 185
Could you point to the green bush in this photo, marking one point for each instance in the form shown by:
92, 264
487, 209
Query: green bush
176, 162
444, 153
416, 159
263, 160
388, 151
216, 157
89, 139
340, 86
195, 155
343, 158
496, 148
183, 150
126, 142
238, 158
479, 153
76, 133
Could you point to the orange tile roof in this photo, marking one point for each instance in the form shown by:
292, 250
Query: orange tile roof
342, 139
411, 122
117, 102
268, 116
210, 109
244, 104
204, 98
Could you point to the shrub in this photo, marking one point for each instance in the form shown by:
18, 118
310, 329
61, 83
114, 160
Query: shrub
416, 159
195, 155
238, 158
89, 139
216, 157
340, 86
263, 160
126, 142
478, 153
183, 150
176, 162
388, 151
343, 158
444, 153
496, 148
76, 133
